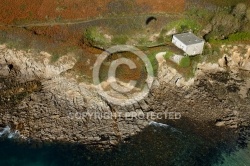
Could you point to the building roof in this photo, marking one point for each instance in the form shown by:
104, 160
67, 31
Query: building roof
188, 38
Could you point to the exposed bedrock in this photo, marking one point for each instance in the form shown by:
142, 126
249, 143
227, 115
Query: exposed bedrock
44, 102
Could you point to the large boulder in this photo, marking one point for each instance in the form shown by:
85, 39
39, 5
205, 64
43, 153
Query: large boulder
240, 10
224, 25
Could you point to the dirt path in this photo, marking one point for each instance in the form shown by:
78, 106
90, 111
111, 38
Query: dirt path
73, 22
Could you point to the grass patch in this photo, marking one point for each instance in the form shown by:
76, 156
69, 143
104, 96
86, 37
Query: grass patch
120, 39
183, 25
18, 44
153, 61
94, 37
168, 54
240, 36
144, 41
14, 42
185, 62
236, 37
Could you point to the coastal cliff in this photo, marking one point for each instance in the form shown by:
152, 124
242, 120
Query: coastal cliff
44, 102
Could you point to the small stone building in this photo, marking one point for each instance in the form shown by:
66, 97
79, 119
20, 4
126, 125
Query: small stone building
188, 42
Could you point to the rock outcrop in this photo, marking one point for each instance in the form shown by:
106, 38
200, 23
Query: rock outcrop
55, 107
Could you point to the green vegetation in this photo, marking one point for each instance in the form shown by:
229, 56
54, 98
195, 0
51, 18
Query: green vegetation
185, 62
184, 25
187, 67
223, 25
17, 44
54, 58
94, 37
200, 14
153, 61
168, 54
143, 41
240, 36
236, 37
56, 54
120, 39
229, 25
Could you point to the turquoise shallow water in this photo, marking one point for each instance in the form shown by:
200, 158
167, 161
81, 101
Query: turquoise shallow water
239, 158
157, 145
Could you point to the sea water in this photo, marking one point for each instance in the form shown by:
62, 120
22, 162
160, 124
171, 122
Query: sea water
239, 158
159, 144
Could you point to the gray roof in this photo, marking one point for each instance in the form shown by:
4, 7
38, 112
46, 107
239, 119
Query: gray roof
188, 38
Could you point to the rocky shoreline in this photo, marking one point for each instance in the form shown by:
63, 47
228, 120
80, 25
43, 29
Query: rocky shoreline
44, 101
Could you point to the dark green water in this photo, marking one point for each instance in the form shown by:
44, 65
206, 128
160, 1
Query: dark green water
157, 145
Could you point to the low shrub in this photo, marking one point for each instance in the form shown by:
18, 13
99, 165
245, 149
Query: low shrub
94, 37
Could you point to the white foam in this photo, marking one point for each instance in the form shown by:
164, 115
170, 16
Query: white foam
156, 124
6, 132
159, 124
